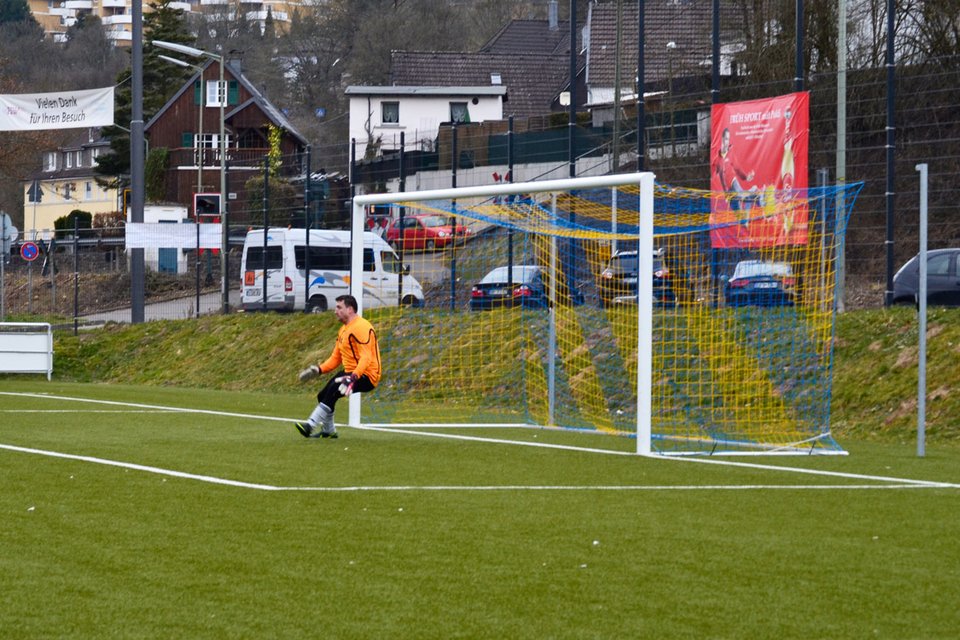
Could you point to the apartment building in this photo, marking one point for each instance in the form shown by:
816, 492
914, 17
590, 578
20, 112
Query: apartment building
56, 16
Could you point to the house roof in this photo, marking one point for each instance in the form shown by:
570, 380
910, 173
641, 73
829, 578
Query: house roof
661, 19
361, 90
530, 36
273, 114
533, 81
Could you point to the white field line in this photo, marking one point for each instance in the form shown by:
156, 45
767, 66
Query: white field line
893, 482
347, 489
83, 411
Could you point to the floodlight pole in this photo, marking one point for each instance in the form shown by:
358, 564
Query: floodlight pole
197, 53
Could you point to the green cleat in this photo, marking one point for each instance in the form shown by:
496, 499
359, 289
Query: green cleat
305, 429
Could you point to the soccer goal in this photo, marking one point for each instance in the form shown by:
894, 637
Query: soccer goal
611, 305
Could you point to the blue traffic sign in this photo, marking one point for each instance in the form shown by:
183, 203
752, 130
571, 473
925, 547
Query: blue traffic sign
29, 251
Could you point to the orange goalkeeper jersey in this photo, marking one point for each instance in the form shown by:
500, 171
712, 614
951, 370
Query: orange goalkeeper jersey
356, 350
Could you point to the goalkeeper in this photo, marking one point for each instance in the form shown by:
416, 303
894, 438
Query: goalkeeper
358, 353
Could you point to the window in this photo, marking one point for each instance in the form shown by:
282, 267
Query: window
50, 161
939, 265
88, 190
459, 112
333, 258
391, 263
390, 112
216, 93
255, 257
69, 160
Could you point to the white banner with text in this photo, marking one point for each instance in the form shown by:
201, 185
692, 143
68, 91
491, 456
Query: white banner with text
58, 110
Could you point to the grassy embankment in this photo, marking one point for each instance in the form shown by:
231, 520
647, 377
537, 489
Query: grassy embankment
874, 382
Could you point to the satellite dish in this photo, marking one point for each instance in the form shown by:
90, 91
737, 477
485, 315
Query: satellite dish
10, 232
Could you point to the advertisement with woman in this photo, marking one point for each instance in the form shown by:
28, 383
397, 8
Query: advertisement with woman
758, 170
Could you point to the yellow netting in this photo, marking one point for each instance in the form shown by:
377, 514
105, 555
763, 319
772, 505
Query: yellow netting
741, 334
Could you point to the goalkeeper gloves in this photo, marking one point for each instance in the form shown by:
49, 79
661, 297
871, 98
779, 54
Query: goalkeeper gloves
346, 384
309, 373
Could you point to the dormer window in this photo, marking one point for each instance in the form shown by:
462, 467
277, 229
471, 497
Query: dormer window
50, 161
495, 79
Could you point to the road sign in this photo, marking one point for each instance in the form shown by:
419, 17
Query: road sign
29, 251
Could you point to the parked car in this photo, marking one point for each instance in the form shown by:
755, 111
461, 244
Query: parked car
497, 289
526, 289
618, 281
761, 283
424, 232
943, 279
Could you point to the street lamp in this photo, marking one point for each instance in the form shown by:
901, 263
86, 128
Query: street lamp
222, 94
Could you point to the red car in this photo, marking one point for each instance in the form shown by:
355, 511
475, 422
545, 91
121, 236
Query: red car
427, 231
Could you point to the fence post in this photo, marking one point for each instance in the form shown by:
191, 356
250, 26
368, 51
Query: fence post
922, 317
76, 274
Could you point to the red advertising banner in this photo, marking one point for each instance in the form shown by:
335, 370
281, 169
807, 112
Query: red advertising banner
758, 159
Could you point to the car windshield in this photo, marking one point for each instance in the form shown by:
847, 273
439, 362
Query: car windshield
520, 274
756, 269
435, 221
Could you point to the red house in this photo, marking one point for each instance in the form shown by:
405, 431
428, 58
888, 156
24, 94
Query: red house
188, 126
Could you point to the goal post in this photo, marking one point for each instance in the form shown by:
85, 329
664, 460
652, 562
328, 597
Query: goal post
644, 181
609, 305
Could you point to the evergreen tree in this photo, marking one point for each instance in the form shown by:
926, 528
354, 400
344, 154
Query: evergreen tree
160, 81
15, 11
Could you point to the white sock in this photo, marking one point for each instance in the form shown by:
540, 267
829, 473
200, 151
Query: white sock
317, 415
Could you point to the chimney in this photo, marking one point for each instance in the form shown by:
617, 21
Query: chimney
235, 59
552, 15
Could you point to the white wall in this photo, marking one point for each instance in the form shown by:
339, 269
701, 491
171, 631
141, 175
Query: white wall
420, 117
164, 213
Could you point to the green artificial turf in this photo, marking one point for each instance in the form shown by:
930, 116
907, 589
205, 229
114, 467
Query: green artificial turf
395, 535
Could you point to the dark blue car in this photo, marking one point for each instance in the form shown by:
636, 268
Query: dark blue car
761, 283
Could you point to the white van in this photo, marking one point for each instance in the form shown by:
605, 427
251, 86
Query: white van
329, 271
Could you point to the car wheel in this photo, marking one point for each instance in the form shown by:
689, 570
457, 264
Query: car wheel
430, 245
316, 304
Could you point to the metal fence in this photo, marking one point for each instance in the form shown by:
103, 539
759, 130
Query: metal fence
89, 280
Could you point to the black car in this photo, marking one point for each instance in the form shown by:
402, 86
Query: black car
943, 279
618, 281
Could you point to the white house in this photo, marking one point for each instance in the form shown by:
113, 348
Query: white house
379, 114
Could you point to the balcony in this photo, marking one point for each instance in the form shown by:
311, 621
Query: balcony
186, 7
279, 16
116, 20
113, 4
124, 37
209, 2
239, 160
79, 5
